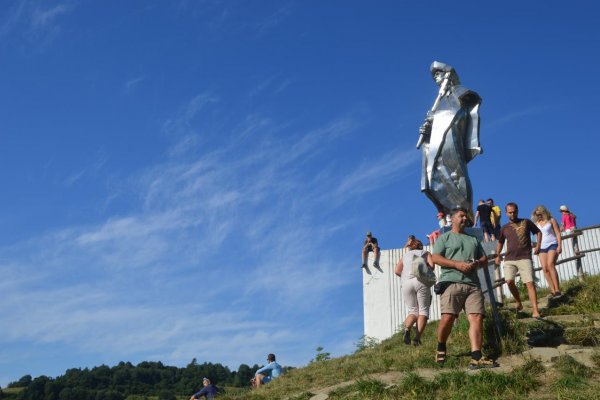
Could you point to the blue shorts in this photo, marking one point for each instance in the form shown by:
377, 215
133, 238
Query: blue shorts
551, 247
267, 379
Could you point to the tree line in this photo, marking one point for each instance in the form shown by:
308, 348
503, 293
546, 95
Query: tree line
128, 382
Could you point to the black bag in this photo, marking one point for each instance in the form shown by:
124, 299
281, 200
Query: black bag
441, 287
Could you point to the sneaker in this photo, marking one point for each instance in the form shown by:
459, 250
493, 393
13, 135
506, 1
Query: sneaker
483, 363
416, 342
406, 336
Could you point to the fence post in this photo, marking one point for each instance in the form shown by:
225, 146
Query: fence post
578, 262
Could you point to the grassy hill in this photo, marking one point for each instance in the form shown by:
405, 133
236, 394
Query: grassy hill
393, 370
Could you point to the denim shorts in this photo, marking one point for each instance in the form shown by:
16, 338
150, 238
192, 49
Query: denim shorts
551, 247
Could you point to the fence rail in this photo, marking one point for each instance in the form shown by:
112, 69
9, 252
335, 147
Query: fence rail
384, 309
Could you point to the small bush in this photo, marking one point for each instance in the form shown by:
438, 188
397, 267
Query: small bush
370, 387
567, 365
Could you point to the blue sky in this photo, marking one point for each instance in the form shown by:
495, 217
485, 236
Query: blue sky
194, 179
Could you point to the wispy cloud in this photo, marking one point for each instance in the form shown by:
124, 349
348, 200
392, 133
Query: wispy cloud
375, 174
130, 85
516, 115
34, 21
13, 16
211, 233
274, 19
96, 165
46, 18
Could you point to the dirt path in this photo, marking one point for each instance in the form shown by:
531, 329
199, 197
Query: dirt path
507, 364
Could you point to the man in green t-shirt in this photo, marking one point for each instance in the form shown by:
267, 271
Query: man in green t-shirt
459, 255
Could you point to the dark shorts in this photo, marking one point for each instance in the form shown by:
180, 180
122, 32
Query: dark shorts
487, 228
551, 247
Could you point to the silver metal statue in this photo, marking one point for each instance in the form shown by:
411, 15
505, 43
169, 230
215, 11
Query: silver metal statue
449, 139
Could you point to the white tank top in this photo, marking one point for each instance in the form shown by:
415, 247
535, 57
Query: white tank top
548, 236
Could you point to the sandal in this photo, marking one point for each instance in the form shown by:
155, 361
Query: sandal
440, 357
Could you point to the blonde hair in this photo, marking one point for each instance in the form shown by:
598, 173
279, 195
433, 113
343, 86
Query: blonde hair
542, 210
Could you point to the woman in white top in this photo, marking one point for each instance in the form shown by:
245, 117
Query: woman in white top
550, 248
416, 295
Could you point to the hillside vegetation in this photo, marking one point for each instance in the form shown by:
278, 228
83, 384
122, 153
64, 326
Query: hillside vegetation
386, 370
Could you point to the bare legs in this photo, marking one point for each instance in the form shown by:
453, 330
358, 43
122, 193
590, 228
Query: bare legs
445, 327
548, 261
532, 296
475, 329
258, 380
421, 321
365, 256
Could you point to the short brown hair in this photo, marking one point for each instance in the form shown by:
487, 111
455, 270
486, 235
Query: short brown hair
415, 244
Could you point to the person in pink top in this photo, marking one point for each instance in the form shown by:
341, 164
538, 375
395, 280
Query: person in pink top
569, 220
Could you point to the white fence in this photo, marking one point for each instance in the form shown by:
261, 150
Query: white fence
384, 310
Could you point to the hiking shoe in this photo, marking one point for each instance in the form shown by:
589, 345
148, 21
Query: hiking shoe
406, 336
483, 363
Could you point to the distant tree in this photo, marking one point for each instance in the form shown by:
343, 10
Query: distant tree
109, 394
23, 382
366, 342
243, 376
321, 355
166, 395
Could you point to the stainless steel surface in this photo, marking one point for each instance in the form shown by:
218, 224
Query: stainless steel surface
449, 139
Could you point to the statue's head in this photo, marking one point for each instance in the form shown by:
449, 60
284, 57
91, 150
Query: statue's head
439, 70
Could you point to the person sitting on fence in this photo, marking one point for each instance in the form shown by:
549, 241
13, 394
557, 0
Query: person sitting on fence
551, 247
370, 245
416, 295
568, 220
517, 233
267, 373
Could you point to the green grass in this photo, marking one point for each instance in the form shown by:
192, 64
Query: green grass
570, 380
580, 298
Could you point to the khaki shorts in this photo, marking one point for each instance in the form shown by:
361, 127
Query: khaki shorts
459, 296
525, 268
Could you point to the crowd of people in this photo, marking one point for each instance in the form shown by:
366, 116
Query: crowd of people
459, 255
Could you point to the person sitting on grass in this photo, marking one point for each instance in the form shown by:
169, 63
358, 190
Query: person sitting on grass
209, 391
267, 373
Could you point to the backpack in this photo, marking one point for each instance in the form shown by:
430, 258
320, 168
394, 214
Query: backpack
421, 270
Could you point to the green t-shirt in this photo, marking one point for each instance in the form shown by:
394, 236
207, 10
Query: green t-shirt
458, 247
